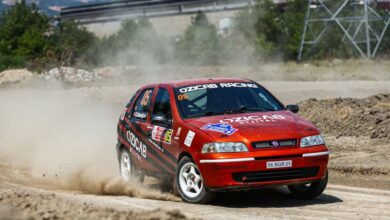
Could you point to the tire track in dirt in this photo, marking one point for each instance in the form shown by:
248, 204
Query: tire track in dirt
338, 202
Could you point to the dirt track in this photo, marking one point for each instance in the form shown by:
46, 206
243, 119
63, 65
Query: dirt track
65, 138
337, 202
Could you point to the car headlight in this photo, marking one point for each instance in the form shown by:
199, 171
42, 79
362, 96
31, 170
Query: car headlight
312, 141
224, 147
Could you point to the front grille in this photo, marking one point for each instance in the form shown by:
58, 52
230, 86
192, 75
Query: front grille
274, 175
275, 143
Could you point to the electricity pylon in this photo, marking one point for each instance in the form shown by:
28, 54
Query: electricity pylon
363, 23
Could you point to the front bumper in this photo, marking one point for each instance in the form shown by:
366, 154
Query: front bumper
249, 170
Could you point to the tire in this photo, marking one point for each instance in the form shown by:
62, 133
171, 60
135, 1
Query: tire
310, 190
175, 189
190, 184
126, 166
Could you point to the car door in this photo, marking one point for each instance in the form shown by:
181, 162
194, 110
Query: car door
137, 130
161, 132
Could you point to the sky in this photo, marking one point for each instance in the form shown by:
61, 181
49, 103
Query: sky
51, 7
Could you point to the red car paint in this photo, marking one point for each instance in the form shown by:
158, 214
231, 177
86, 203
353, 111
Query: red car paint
156, 149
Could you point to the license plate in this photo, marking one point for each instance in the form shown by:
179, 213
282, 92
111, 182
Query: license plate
279, 164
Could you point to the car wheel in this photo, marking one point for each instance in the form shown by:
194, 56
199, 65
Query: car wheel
190, 184
126, 166
309, 190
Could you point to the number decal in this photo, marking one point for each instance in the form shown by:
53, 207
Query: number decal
146, 98
182, 97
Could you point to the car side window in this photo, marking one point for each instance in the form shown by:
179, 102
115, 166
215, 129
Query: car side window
162, 105
131, 99
141, 107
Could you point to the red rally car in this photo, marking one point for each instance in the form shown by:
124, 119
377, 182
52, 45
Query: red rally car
210, 135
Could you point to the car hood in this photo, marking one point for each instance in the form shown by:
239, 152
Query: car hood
248, 127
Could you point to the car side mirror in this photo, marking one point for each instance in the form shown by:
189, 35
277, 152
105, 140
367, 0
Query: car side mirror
293, 108
161, 119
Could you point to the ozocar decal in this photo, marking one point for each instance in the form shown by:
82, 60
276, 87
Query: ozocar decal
253, 119
215, 86
136, 144
198, 87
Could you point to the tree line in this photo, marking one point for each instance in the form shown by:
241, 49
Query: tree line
259, 33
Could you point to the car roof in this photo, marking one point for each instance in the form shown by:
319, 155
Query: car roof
189, 82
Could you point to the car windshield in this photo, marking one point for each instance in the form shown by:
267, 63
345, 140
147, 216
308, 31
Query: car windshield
224, 98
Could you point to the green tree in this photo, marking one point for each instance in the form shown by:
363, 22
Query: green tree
71, 44
135, 41
290, 28
272, 30
16, 23
22, 35
27, 40
200, 43
33, 43
246, 40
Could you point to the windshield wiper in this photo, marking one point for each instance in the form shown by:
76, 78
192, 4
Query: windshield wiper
230, 111
255, 109
210, 113
244, 109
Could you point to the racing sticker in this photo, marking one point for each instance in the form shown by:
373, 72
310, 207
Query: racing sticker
136, 144
162, 134
146, 98
253, 119
220, 128
238, 85
178, 133
139, 115
189, 138
198, 87
215, 86
182, 97
168, 136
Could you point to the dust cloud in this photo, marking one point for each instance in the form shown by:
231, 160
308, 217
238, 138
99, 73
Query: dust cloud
65, 139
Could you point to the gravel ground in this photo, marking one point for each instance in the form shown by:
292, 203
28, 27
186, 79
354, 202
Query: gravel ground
48, 171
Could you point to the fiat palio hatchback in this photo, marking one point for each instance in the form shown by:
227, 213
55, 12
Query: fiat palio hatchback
210, 135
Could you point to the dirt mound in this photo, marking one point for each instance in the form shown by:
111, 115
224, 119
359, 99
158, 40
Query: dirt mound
14, 76
350, 117
70, 74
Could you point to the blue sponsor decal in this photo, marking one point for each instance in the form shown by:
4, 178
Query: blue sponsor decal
220, 128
